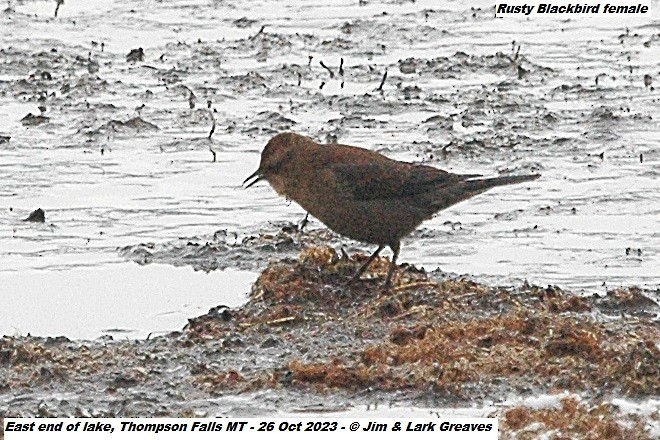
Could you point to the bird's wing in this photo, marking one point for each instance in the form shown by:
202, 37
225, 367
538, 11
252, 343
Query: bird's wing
390, 179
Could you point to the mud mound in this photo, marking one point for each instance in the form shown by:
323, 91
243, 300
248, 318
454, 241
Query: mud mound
306, 339
450, 337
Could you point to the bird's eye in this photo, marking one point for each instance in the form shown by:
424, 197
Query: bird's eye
276, 166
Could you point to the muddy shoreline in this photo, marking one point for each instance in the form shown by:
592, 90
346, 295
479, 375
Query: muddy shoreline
304, 343
115, 143
132, 124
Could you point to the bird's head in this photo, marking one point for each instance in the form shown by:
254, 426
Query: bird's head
276, 160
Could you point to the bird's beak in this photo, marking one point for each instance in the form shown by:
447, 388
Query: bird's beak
256, 174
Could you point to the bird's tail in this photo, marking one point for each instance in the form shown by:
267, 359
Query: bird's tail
465, 189
480, 185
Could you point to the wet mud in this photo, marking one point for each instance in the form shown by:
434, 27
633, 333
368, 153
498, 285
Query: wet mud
118, 116
307, 343
131, 125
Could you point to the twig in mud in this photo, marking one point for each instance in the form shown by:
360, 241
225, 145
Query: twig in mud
57, 8
191, 99
341, 72
382, 82
281, 321
258, 33
415, 285
208, 105
213, 125
332, 74
515, 60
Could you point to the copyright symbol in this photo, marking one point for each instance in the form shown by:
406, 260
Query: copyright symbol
354, 426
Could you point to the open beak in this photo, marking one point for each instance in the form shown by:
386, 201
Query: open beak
256, 174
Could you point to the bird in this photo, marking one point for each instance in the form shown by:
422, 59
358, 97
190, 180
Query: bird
362, 194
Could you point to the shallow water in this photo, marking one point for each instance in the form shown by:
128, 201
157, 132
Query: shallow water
588, 224
123, 300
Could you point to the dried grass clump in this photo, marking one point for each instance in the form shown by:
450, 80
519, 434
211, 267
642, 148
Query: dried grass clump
13, 352
336, 374
627, 300
316, 281
446, 335
219, 381
573, 421
554, 351
28, 361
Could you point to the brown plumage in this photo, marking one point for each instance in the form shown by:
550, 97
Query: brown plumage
362, 194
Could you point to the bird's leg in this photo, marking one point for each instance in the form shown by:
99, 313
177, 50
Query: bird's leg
395, 249
364, 266
304, 222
